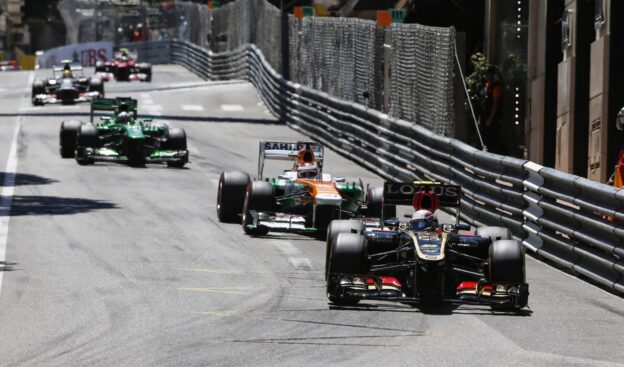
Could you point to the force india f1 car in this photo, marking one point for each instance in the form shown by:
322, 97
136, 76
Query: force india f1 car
122, 137
302, 199
422, 261
66, 87
124, 68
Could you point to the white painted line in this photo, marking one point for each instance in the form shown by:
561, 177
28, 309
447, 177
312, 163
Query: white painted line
147, 101
300, 263
286, 247
232, 107
144, 96
6, 195
192, 107
154, 107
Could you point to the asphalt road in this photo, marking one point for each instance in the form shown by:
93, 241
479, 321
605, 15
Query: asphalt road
108, 265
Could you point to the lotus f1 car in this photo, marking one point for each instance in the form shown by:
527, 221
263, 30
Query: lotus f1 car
301, 199
122, 137
421, 260
124, 68
66, 87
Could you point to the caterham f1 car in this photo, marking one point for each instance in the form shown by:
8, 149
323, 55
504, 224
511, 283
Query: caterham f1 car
421, 260
122, 137
68, 85
301, 199
124, 67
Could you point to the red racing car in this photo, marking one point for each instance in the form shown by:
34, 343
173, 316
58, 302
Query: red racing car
124, 68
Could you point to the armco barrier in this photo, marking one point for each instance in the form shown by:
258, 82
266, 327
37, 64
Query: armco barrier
567, 219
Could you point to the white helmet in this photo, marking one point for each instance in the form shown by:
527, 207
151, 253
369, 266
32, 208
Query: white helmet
421, 214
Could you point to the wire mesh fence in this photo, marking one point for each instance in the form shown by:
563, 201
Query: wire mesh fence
343, 57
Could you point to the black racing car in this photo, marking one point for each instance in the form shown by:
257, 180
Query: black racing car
421, 260
67, 86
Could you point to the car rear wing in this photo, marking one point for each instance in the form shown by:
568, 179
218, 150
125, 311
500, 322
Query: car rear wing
289, 151
117, 105
422, 195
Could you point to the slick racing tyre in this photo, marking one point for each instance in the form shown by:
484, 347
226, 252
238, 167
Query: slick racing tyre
506, 264
336, 227
96, 84
348, 255
175, 140
494, 233
259, 197
231, 196
67, 138
86, 139
38, 87
100, 67
374, 202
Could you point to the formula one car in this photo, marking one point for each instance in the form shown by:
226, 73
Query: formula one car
302, 199
122, 137
66, 87
420, 260
10, 65
124, 68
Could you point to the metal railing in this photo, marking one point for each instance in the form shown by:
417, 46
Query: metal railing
568, 220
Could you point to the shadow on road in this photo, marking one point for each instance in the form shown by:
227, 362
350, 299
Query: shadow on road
25, 179
53, 205
432, 309
7, 266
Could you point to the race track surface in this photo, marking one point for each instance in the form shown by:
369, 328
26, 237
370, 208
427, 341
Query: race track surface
108, 265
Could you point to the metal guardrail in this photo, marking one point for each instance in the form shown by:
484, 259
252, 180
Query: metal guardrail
569, 220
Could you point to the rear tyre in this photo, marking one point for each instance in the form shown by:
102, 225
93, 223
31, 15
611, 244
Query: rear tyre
231, 196
347, 256
67, 138
259, 197
336, 227
86, 140
494, 233
506, 265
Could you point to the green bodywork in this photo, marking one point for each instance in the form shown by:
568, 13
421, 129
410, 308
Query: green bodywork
137, 139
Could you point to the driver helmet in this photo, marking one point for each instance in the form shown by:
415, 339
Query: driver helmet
67, 73
307, 171
123, 118
422, 219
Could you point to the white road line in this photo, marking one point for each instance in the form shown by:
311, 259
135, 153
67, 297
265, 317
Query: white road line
192, 107
293, 255
147, 101
154, 107
232, 107
6, 195
300, 263
145, 96
286, 247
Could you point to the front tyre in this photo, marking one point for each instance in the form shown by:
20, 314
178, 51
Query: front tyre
259, 197
507, 266
67, 138
86, 143
336, 227
231, 196
348, 255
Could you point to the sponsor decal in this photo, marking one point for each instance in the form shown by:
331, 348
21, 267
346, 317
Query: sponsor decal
85, 54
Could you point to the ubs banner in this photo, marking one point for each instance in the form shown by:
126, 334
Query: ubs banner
86, 54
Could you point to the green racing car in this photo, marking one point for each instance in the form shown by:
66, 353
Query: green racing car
122, 137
